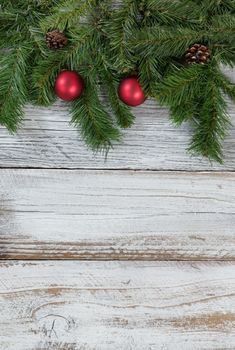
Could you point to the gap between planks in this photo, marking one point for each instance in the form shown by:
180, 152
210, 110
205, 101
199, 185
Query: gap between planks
119, 169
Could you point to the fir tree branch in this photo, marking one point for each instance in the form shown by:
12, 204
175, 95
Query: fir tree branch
225, 84
181, 84
110, 80
67, 14
183, 112
119, 30
151, 72
150, 37
162, 42
168, 12
123, 114
213, 7
47, 68
224, 54
211, 122
180, 90
222, 29
93, 121
14, 86
220, 22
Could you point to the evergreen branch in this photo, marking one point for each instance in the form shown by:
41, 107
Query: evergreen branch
183, 112
224, 54
6, 16
10, 40
225, 84
119, 30
221, 22
180, 90
151, 72
5, 3
38, 38
110, 80
211, 122
213, 7
162, 42
222, 29
181, 85
168, 12
47, 68
148, 37
93, 121
43, 78
14, 86
67, 14
123, 114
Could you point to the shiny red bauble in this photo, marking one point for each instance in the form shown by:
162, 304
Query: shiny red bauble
130, 92
69, 85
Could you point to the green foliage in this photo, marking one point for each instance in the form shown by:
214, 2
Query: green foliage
94, 122
106, 43
211, 122
180, 90
193, 93
122, 112
67, 14
196, 94
120, 27
13, 87
52, 62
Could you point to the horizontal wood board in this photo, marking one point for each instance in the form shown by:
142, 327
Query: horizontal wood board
48, 140
113, 305
58, 214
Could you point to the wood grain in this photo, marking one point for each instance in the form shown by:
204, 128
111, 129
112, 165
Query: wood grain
104, 210
114, 305
48, 140
55, 214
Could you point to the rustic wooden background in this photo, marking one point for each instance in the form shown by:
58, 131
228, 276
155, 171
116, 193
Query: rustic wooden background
135, 253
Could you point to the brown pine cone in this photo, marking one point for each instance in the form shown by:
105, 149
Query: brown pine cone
198, 54
56, 39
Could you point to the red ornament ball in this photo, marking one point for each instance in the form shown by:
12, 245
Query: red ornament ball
69, 85
130, 92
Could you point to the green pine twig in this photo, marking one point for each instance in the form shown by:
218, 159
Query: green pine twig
94, 123
14, 86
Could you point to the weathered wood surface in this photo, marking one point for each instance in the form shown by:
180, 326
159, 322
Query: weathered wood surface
48, 140
117, 305
101, 215
52, 214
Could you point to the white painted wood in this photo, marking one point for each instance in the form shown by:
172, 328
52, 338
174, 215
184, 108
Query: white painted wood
48, 140
48, 214
113, 305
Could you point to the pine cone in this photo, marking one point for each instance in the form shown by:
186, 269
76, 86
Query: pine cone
56, 39
198, 54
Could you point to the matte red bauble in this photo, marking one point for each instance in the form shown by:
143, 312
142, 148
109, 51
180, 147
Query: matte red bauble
69, 85
130, 92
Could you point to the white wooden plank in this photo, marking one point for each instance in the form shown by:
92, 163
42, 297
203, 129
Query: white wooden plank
114, 305
47, 140
48, 214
